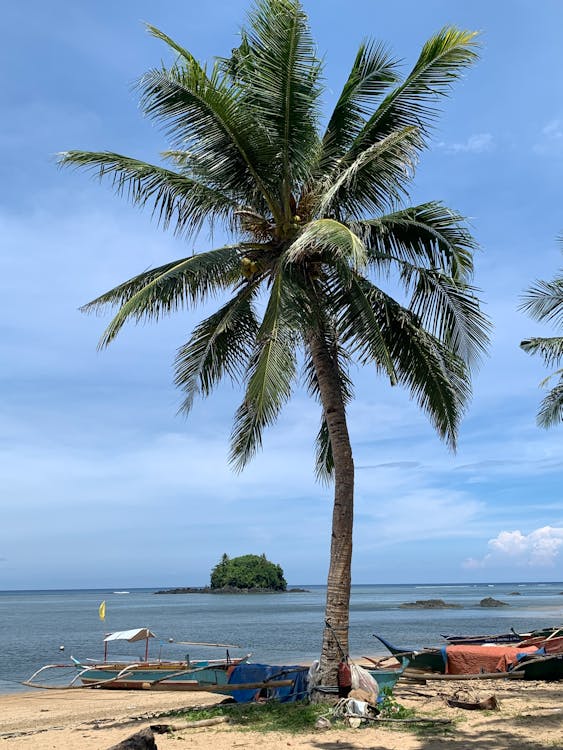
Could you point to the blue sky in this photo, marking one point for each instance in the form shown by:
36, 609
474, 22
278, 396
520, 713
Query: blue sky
103, 484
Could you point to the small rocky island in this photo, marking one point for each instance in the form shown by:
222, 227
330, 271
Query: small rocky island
490, 602
429, 604
247, 574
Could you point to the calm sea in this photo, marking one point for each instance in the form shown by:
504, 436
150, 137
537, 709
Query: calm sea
276, 628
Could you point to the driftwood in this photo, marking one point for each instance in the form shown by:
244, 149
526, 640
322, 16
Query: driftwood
163, 728
486, 704
143, 740
414, 720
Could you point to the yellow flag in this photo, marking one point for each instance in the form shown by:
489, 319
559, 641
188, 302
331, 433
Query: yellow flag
102, 610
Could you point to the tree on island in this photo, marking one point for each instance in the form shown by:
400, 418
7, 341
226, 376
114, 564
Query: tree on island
248, 572
323, 237
543, 301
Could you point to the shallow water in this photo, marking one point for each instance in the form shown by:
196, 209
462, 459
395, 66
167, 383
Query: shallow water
276, 628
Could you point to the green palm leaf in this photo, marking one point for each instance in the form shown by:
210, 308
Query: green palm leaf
436, 377
371, 75
429, 234
177, 200
359, 326
270, 375
221, 344
281, 72
376, 179
330, 237
202, 114
550, 349
163, 290
551, 408
544, 301
449, 310
442, 60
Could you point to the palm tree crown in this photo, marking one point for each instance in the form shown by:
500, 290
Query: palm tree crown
319, 220
543, 301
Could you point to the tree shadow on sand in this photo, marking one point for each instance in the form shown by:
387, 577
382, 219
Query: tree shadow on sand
526, 731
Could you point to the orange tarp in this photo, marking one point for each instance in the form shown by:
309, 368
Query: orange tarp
477, 659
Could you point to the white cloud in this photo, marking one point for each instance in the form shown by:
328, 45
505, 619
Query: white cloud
551, 139
475, 144
539, 548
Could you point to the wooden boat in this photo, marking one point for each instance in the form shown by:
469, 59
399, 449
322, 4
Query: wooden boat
386, 676
478, 640
500, 638
540, 667
186, 674
428, 660
539, 664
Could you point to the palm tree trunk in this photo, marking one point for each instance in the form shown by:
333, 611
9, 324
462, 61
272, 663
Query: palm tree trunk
337, 612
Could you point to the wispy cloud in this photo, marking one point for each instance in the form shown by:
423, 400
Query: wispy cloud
478, 143
540, 548
551, 139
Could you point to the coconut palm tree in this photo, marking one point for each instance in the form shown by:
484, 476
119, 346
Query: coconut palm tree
319, 223
543, 301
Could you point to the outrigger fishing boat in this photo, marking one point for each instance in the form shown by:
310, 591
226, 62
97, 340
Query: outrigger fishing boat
511, 637
144, 674
537, 658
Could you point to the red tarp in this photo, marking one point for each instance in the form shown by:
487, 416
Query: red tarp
477, 659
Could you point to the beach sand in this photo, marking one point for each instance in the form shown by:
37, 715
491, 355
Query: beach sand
530, 717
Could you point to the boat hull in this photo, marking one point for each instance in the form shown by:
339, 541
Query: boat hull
143, 679
548, 668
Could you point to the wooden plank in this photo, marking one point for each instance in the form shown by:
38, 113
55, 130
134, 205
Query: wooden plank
423, 676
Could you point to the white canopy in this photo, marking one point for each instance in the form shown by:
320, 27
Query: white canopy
139, 634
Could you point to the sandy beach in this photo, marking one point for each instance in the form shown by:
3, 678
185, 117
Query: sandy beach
530, 717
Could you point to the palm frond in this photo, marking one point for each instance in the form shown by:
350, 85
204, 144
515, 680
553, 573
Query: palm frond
550, 349
544, 301
371, 75
177, 201
281, 71
359, 325
376, 179
324, 460
449, 310
270, 376
551, 408
429, 234
202, 114
330, 237
177, 48
442, 61
221, 344
436, 377
163, 290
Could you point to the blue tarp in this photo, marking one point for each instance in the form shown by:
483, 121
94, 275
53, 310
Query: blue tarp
245, 673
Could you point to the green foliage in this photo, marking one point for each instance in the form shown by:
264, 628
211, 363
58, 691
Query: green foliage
248, 572
389, 708
318, 220
265, 717
544, 302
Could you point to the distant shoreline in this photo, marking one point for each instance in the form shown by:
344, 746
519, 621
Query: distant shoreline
229, 590
416, 584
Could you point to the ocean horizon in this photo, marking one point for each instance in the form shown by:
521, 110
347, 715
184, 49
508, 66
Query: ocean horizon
47, 626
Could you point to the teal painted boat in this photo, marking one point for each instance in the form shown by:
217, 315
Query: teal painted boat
428, 660
144, 674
